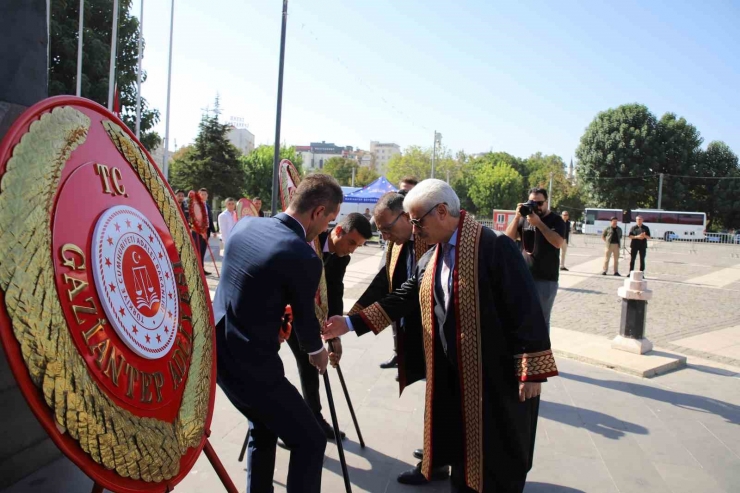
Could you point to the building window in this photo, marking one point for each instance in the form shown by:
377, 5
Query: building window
500, 218
321, 163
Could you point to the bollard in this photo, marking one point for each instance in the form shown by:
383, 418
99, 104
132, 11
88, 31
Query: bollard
635, 296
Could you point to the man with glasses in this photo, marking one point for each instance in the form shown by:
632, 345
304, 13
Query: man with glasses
486, 347
402, 255
541, 235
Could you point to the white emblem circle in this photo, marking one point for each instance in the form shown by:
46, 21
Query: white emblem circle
140, 301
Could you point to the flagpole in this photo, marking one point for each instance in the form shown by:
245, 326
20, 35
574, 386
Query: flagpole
114, 40
138, 72
78, 93
165, 164
276, 162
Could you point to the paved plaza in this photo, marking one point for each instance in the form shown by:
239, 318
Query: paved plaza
599, 431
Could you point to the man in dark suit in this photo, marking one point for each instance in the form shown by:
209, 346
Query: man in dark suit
337, 246
203, 242
269, 265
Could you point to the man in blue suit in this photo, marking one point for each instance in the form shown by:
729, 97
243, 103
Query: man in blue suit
269, 265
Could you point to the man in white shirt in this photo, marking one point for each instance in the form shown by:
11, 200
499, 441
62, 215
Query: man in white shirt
226, 222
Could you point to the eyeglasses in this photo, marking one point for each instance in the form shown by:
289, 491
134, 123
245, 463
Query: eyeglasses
417, 222
387, 229
539, 203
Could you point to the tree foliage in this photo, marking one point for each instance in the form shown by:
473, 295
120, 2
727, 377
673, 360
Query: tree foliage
622, 143
365, 176
98, 18
497, 186
258, 170
417, 161
624, 149
340, 168
211, 162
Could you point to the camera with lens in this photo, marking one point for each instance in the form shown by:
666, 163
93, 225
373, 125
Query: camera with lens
527, 208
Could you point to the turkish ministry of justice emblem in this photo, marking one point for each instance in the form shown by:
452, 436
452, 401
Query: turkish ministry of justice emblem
132, 268
104, 313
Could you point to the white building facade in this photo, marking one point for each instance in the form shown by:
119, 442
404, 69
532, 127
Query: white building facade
241, 138
383, 153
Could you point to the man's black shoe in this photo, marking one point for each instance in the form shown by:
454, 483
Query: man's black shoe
618, 274
206, 272
563, 268
391, 363
415, 477
329, 430
603, 273
419, 453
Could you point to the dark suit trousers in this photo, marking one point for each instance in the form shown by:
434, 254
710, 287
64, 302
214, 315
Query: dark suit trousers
202, 246
634, 251
279, 411
308, 374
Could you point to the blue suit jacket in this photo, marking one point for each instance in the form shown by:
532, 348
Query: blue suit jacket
267, 266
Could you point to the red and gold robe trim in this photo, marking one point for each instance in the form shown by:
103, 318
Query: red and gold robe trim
391, 261
535, 366
356, 308
375, 318
467, 315
467, 312
426, 302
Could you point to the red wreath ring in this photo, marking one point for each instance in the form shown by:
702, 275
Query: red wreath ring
198, 214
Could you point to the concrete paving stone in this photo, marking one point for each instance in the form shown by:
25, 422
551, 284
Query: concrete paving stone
567, 474
683, 479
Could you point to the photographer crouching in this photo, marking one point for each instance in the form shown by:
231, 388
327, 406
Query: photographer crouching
541, 234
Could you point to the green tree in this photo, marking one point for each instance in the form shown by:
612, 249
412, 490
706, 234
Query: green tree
258, 169
417, 161
98, 17
719, 198
365, 176
340, 168
622, 143
212, 161
681, 154
499, 187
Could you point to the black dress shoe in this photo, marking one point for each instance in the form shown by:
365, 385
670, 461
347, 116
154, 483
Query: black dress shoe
564, 268
206, 272
419, 453
618, 274
391, 363
329, 430
415, 477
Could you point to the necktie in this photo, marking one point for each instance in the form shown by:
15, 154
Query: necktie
446, 273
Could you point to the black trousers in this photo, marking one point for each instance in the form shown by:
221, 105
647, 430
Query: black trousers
308, 374
276, 411
634, 251
201, 245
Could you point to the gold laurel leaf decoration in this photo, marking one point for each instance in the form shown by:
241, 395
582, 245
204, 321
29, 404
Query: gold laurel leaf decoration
138, 448
190, 424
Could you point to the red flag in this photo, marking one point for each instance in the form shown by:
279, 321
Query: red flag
116, 101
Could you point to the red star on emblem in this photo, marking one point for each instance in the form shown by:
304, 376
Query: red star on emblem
167, 275
112, 288
107, 262
136, 331
128, 223
170, 295
122, 312
110, 241
159, 339
140, 228
160, 255
166, 330
118, 227
169, 314
147, 338
151, 238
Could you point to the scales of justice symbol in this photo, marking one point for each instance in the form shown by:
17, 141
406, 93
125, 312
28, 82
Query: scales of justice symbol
143, 287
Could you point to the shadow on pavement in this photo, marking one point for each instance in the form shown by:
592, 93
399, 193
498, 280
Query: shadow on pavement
549, 488
593, 421
728, 411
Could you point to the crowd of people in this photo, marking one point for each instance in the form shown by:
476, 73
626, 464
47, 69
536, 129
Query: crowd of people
454, 293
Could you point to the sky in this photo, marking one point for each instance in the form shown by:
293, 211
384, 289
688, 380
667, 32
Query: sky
520, 77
